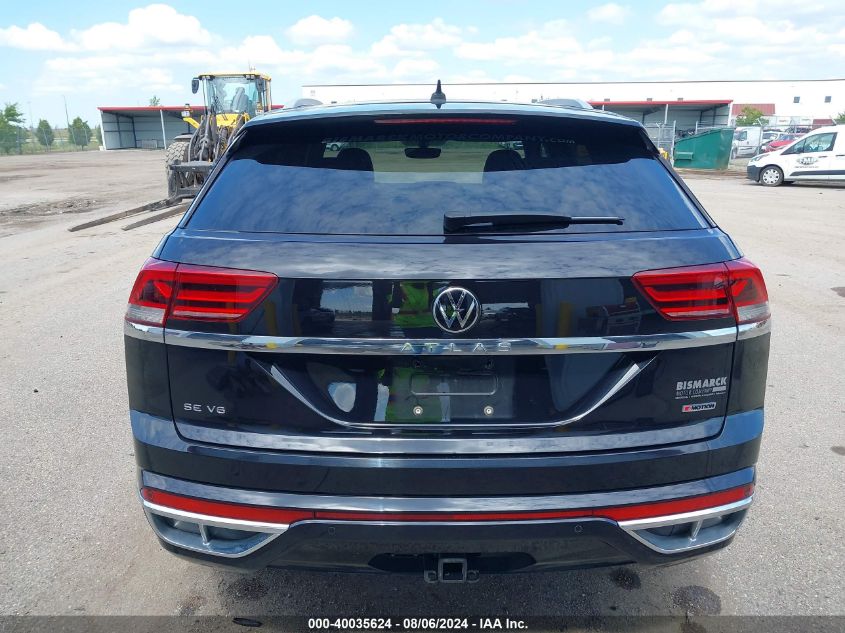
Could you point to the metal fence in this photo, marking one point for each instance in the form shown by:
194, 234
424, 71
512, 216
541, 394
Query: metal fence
22, 140
663, 136
706, 128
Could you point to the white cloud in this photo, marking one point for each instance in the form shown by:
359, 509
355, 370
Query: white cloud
690, 13
35, 37
413, 69
107, 74
736, 40
342, 61
549, 53
128, 61
410, 39
153, 25
611, 13
318, 30
260, 51
600, 42
838, 48
663, 53
683, 36
711, 40
532, 46
472, 76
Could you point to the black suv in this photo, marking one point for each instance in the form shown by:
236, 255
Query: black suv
472, 337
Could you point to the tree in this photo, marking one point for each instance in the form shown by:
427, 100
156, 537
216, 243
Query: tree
44, 133
11, 129
79, 133
154, 101
12, 114
751, 116
839, 118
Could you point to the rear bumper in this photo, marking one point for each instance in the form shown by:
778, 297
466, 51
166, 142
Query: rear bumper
488, 547
386, 496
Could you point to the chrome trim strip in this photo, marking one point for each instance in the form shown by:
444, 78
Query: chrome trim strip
686, 517
446, 504
584, 519
478, 445
221, 522
750, 330
184, 540
692, 541
450, 347
143, 332
278, 529
692, 545
617, 382
275, 529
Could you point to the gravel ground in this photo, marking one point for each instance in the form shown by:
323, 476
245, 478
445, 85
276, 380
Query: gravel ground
75, 540
34, 188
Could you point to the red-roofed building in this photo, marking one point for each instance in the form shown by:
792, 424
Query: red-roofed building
788, 102
684, 114
146, 127
768, 109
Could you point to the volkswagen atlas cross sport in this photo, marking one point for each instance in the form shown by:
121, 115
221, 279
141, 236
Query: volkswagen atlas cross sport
449, 339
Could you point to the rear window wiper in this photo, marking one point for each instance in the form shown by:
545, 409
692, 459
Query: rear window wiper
504, 222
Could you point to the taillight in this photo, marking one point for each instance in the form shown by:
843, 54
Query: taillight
748, 291
711, 291
164, 290
150, 296
218, 294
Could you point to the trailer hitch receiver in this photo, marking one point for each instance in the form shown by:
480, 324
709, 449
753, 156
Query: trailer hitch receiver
450, 569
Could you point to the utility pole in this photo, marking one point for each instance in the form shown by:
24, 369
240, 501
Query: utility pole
67, 120
31, 126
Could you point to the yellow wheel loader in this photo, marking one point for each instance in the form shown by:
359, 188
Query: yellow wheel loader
231, 99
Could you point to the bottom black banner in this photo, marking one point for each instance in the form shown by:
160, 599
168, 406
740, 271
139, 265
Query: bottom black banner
645, 624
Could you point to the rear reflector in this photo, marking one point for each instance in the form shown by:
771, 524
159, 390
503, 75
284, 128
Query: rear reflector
164, 290
735, 288
287, 516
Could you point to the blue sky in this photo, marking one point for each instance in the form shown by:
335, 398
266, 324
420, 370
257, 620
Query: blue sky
122, 53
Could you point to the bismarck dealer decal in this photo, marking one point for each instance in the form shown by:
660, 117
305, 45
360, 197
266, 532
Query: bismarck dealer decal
687, 389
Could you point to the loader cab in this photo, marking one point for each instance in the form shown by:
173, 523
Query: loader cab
234, 93
230, 100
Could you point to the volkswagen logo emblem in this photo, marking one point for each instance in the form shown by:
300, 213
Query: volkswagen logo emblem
455, 309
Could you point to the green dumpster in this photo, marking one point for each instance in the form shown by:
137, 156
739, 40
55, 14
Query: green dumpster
707, 150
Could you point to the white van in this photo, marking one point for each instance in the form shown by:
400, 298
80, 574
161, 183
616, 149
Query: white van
746, 141
820, 155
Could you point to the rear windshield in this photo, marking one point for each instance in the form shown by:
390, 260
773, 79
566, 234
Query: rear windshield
401, 176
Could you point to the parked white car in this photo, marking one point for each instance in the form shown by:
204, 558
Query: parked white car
820, 155
770, 135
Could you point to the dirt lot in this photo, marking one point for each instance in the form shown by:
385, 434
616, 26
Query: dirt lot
75, 540
35, 187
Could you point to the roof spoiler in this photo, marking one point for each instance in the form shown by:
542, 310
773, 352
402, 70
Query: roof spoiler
567, 103
306, 103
